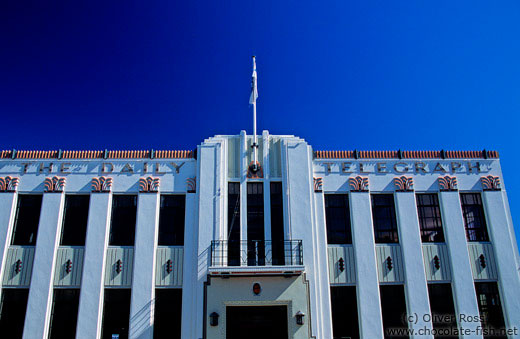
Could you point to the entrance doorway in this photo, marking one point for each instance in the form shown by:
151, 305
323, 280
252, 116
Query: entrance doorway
256, 322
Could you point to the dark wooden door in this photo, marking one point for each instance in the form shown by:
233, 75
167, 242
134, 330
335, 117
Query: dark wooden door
256, 322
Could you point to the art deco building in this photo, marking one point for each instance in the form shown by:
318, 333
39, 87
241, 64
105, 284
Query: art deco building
209, 244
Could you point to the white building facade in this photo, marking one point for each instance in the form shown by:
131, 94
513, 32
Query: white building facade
307, 244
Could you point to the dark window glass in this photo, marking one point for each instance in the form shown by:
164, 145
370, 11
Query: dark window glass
255, 224
116, 313
64, 315
430, 218
442, 309
171, 220
277, 232
27, 219
75, 220
383, 213
124, 210
168, 313
490, 309
337, 215
474, 219
12, 313
234, 224
344, 312
393, 307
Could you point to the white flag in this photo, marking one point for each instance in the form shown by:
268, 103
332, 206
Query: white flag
254, 88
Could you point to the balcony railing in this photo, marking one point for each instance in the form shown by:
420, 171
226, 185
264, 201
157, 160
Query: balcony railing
256, 253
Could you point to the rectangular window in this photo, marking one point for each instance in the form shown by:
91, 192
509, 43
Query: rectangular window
116, 313
393, 307
171, 220
442, 310
12, 312
75, 220
168, 313
474, 220
490, 309
383, 213
234, 224
337, 216
124, 211
255, 224
430, 220
64, 316
277, 231
27, 220
344, 312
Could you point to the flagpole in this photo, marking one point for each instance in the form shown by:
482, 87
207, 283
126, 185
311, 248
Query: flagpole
255, 145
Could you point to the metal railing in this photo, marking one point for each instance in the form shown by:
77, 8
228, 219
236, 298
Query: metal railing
256, 253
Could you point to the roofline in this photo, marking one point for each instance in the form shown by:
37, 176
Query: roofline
442, 154
104, 154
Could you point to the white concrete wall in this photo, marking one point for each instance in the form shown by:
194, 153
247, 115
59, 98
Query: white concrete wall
90, 311
508, 272
7, 214
416, 288
463, 287
39, 303
368, 300
143, 280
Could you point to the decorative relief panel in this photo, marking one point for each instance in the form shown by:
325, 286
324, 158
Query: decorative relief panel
101, 185
149, 185
448, 183
358, 184
191, 185
8, 184
403, 184
318, 184
490, 183
54, 184
255, 172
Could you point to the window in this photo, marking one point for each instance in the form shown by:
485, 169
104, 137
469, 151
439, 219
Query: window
393, 307
383, 213
474, 220
337, 216
344, 312
12, 312
75, 220
116, 313
168, 313
64, 315
490, 309
234, 224
255, 224
442, 310
277, 231
124, 210
430, 220
27, 220
171, 220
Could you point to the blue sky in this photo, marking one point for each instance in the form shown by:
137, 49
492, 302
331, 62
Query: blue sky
343, 75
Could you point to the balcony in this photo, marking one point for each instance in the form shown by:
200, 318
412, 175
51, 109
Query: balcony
256, 256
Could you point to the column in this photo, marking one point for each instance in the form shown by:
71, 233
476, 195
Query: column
267, 199
7, 213
416, 286
143, 278
243, 198
367, 284
189, 288
90, 311
508, 278
304, 226
40, 293
462, 278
